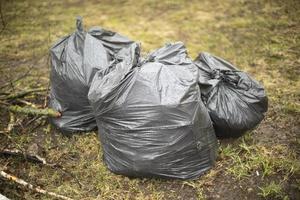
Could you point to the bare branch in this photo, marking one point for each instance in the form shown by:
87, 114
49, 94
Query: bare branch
24, 93
2, 197
30, 186
33, 111
11, 123
27, 103
16, 152
39, 160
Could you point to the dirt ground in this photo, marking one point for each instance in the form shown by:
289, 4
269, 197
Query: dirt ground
261, 37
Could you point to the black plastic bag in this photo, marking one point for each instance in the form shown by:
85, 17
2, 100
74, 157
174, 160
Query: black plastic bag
150, 116
75, 59
236, 102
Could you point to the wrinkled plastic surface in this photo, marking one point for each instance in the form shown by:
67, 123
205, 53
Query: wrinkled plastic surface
75, 59
150, 116
236, 102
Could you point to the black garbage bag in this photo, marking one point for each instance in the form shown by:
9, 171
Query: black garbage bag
235, 101
151, 119
75, 59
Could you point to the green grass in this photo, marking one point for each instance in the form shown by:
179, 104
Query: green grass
261, 37
248, 160
272, 190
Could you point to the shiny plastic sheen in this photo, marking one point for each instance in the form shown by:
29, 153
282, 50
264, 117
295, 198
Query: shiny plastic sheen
75, 59
151, 119
235, 101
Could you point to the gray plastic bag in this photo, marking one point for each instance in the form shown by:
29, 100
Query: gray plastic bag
236, 102
150, 116
75, 59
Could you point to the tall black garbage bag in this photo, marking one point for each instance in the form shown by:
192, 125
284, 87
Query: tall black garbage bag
151, 119
74, 60
236, 102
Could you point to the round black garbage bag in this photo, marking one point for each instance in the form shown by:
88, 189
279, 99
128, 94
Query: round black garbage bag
74, 61
151, 120
235, 101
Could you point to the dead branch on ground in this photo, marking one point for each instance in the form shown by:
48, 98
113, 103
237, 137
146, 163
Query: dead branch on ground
31, 157
27, 103
7, 101
37, 159
2, 197
11, 122
24, 93
34, 111
30, 186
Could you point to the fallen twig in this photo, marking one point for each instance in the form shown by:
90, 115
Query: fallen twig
27, 103
30, 186
11, 123
32, 120
39, 124
2, 197
33, 111
16, 152
24, 93
46, 96
39, 160
4, 103
11, 139
17, 79
4, 93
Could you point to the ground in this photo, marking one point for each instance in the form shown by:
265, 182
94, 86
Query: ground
261, 37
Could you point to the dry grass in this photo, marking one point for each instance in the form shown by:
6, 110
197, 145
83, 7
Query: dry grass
261, 37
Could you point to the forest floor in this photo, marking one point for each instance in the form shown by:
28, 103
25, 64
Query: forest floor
261, 37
